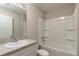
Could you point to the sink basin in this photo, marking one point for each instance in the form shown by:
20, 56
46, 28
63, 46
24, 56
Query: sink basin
17, 44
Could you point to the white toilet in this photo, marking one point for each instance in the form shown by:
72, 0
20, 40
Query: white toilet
42, 52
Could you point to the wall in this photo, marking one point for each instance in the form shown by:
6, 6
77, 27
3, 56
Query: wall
41, 28
77, 24
33, 14
18, 22
68, 10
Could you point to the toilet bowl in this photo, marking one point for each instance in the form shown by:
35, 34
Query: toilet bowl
42, 52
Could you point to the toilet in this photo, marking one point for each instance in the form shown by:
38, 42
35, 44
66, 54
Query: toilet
42, 52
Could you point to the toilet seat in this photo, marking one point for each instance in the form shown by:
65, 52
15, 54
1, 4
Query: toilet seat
42, 52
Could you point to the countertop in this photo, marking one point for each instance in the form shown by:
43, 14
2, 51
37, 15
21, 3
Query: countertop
5, 50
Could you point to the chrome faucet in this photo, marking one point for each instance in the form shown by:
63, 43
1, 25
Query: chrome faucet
44, 39
13, 37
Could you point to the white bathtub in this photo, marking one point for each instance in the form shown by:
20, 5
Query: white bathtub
55, 52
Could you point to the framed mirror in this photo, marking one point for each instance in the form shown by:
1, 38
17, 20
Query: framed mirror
6, 26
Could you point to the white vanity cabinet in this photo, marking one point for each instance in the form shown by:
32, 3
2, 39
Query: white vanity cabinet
30, 50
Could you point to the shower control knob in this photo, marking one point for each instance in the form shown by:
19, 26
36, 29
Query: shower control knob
43, 37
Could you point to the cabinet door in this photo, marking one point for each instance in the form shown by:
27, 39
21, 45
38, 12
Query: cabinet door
28, 51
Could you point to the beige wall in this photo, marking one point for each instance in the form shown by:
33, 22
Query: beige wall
33, 14
18, 22
77, 23
41, 28
68, 10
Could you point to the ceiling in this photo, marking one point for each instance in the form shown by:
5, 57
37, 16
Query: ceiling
46, 7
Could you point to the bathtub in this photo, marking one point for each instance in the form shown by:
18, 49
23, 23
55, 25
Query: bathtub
54, 51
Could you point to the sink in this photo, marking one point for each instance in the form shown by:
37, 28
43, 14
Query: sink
17, 44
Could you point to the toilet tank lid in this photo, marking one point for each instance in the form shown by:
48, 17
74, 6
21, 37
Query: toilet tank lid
43, 52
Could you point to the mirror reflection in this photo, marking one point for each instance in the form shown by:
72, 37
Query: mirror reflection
12, 21
5, 26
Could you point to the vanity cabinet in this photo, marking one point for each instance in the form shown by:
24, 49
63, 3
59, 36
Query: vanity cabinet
25, 51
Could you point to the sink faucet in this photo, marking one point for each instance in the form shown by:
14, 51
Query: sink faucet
13, 37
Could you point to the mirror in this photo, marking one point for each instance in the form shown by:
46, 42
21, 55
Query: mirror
12, 22
5, 26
